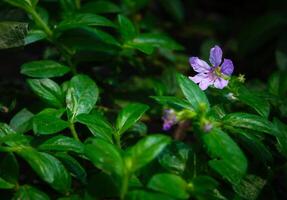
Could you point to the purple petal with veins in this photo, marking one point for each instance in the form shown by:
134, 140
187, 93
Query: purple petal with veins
227, 67
220, 83
199, 65
215, 56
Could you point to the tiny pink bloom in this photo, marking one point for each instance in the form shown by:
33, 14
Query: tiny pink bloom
217, 74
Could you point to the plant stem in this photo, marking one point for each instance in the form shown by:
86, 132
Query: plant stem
118, 140
7, 149
78, 4
125, 186
39, 21
74, 132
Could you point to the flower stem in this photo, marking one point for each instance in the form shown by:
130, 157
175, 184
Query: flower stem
118, 139
39, 21
125, 186
74, 132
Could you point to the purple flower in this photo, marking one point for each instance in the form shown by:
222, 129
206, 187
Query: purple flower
169, 119
216, 75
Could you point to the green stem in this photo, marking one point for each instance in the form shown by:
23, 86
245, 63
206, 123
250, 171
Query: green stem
74, 132
78, 4
39, 21
118, 140
125, 186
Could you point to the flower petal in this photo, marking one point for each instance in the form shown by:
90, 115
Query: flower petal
215, 56
205, 83
227, 67
220, 83
199, 65
198, 77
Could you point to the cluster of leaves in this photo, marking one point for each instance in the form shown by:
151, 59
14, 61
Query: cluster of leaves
84, 143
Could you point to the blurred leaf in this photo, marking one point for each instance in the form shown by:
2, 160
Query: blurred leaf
103, 36
98, 125
22, 121
48, 168
12, 34
9, 168
250, 187
228, 159
27, 5
147, 195
105, 156
48, 122
252, 99
127, 29
174, 102
169, 184
83, 20
193, 93
47, 90
73, 166
81, 96
281, 137
129, 115
203, 186
99, 7
5, 185
62, 143
175, 8
250, 121
31, 193
145, 151
281, 54
175, 157
134, 5
44, 69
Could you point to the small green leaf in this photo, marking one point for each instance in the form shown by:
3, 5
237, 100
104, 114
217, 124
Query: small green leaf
98, 125
145, 151
22, 121
82, 95
12, 34
83, 20
126, 28
48, 122
105, 156
73, 166
253, 100
5, 185
9, 168
228, 159
99, 7
103, 36
169, 184
250, 121
34, 36
48, 168
129, 115
173, 102
10, 137
44, 69
48, 90
62, 143
193, 93
281, 137
31, 193
203, 186
27, 5
147, 195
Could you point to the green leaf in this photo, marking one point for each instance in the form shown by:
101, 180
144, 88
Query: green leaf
176, 157
82, 95
147, 195
174, 102
48, 122
145, 151
103, 36
62, 143
250, 187
169, 184
100, 7
126, 28
129, 115
175, 8
12, 34
44, 69
228, 159
48, 168
148, 41
105, 156
27, 5
31, 193
34, 36
5, 185
193, 93
73, 166
22, 121
83, 20
9, 168
98, 125
48, 90
252, 99
281, 137
203, 186
10, 137
250, 121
